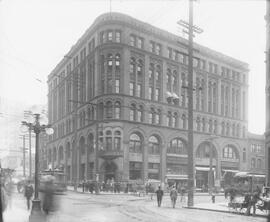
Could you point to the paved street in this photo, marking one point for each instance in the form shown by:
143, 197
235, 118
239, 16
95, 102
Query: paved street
110, 207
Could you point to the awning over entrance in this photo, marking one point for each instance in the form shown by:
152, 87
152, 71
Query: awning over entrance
204, 168
177, 176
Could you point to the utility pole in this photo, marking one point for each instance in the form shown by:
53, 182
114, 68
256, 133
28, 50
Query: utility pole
189, 26
96, 158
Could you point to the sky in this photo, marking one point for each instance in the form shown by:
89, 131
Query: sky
36, 34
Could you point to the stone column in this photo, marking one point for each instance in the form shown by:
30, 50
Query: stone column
145, 160
126, 159
163, 164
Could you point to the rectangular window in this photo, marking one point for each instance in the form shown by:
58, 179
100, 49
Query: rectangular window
117, 85
140, 43
158, 49
157, 94
132, 40
131, 89
110, 35
139, 90
117, 36
135, 170
150, 92
152, 47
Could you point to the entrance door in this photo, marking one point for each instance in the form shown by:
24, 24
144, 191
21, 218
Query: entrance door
110, 171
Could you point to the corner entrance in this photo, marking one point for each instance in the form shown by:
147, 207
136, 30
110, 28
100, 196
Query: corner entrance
110, 169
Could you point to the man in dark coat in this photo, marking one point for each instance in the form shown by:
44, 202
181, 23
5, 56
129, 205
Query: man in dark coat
28, 193
159, 193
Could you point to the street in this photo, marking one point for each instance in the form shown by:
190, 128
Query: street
121, 207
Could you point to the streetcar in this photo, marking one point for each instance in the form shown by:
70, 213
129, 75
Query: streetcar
56, 177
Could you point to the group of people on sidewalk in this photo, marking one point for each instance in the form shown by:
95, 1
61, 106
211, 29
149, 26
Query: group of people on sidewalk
173, 195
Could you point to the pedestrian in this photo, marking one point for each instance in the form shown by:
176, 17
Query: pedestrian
252, 203
48, 202
173, 195
182, 193
159, 193
28, 193
9, 191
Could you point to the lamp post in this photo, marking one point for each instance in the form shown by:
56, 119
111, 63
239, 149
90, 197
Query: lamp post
36, 214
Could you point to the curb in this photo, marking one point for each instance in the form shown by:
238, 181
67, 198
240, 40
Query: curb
224, 211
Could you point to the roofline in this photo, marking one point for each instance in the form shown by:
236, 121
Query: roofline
115, 16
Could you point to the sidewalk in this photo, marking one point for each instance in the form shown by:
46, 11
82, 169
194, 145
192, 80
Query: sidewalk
223, 207
17, 211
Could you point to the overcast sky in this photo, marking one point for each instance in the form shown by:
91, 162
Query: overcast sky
36, 34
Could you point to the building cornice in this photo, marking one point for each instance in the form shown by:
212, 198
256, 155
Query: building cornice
120, 18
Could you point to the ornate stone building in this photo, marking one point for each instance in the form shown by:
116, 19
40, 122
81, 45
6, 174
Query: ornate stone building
267, 89
125, 83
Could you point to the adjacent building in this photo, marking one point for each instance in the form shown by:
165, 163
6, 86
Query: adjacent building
118, 104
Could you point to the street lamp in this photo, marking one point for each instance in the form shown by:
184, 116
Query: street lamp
37, 128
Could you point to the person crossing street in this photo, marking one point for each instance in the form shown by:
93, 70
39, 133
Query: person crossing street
173, 195
28, 193
159, 193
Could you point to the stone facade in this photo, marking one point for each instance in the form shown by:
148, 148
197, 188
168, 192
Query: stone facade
124, 82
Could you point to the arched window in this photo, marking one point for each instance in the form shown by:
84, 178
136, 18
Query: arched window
204, 150
132, 112
91, 143
177, 146
152, 116
117, 109
140, 113
253, 163
108, 140
117, 140
230, 152
154, 145
82, 146
135, 143
109, 110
